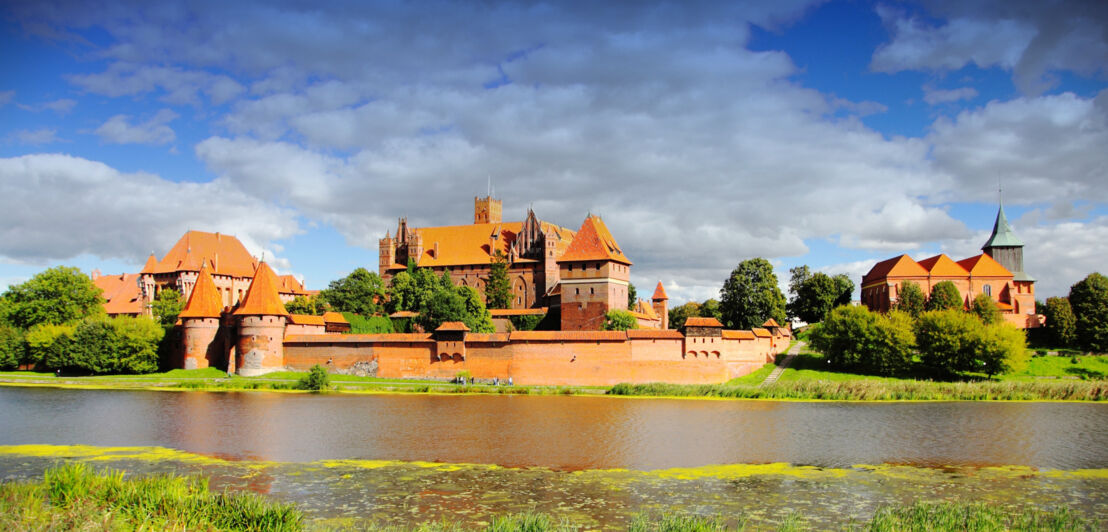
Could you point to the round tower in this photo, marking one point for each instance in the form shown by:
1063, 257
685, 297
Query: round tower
261, 333
202, 345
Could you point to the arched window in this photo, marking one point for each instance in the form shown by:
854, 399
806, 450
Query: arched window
987, 290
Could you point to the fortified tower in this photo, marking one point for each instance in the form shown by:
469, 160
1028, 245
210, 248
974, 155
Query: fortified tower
386, 254
661, 303
594, 276
203, 347
487, 210
262, 319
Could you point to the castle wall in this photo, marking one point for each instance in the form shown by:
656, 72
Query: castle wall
535, 358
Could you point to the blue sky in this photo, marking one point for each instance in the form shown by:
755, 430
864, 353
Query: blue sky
832, 134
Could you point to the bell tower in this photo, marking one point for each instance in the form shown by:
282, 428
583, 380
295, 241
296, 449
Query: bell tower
487, 210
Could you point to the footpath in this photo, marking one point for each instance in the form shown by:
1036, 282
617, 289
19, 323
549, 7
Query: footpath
784, 365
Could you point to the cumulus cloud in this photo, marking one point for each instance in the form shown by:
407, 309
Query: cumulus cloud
1032, 39
176, 85
36, 136
58, 206
119, 130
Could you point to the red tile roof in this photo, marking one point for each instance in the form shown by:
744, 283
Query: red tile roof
901, 266
334, 317
505, 312
697, 321
225, 254
453, 326
771, 323
469, 244
121, 294
302, 319
338, 338
984, 266
659, 292
608, 336
205, 301
151, 263
262, 298
739, 335
594, 242
287, 284
943, 266
660, 334
760, 332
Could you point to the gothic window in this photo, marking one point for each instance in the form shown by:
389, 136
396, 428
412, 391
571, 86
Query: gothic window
987, 290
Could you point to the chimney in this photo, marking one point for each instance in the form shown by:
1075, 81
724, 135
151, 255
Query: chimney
436, 247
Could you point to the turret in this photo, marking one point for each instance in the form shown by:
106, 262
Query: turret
487, 210
201, 343
386, 254
660, 302
262, 318
594, 275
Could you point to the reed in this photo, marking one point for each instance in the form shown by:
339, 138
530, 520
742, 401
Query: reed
870, 390
975, 517
74, 496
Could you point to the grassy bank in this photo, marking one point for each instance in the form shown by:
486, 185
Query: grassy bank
75, 497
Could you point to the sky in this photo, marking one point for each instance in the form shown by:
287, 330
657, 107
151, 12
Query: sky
831, 134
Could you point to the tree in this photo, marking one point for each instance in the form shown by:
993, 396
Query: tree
911, 299
814, 298
1089, 300
945, 296
797, 276
316, 380
750, 296
309, 306
58, 295
498, 289
48, 345
619, 320
678, 315
952, 341
137, 340
361, 292
1061, 324
709, 309
167, 306
845, 288
11, 347
985, 309
456, 303
632, 296
409, 289
853, 337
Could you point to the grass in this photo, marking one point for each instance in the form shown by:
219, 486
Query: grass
975, 517
76, 497
1069, 366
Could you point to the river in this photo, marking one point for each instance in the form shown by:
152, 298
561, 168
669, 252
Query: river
563, 454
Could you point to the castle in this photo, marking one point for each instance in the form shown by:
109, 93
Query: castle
997, 273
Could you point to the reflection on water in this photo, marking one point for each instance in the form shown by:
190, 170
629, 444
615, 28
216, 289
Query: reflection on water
355, 493
569, 433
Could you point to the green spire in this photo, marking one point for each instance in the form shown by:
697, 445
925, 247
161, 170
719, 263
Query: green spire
1002, 233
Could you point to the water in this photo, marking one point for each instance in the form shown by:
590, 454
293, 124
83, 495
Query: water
595, 460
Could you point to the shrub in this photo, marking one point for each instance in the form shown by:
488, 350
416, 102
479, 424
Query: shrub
48, 345
619, 320
985, 308
138, 342
911, 299
951, 341
854, 337
368, 325
945, 296
316, 380
526, 323
11, 347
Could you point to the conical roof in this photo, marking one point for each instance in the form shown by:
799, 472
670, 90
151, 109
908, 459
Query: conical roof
262, 298
594, 242
151, 263
1002, 236
659, 293
204, 301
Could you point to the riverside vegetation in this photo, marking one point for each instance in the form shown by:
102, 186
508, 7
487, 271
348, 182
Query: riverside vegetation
76, 497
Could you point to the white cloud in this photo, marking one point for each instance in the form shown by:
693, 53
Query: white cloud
37, 136
56, 207
176, 85
61, 106
119, 130
1030, 38
935, 96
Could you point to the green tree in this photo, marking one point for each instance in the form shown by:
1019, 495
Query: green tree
814, 298
678, 314
947, 340
1061, 324
48, 345
911, 299
632, 296
853, 337
985, 309
316, 380
167, 306
11, 347
750, 296
58, 295
456, 303
797, 276
1089, 299
498, 288
845, 289
137, 340
619, 320
409, 289
361, 292
945, 296
309, 306
1000, 348
709, 309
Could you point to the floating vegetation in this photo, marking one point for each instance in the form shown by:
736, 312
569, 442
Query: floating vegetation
884, 390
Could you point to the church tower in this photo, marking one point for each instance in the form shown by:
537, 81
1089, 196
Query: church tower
1004, 247
594, 274
487, 210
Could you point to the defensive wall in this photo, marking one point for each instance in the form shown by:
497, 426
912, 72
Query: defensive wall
581, 358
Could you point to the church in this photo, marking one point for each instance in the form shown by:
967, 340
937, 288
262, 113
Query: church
997, 273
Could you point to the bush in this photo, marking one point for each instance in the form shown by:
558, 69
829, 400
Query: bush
368, 325
853, 337
945, 296
316, 380
98, 345
619, 320
526, 323
48, 345
11, 347
952, 341
985, 309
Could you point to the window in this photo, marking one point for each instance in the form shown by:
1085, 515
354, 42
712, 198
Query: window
987, 290
592, 290
577, 291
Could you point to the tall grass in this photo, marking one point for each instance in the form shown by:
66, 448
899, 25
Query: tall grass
975, 517
74, 496
905, 390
